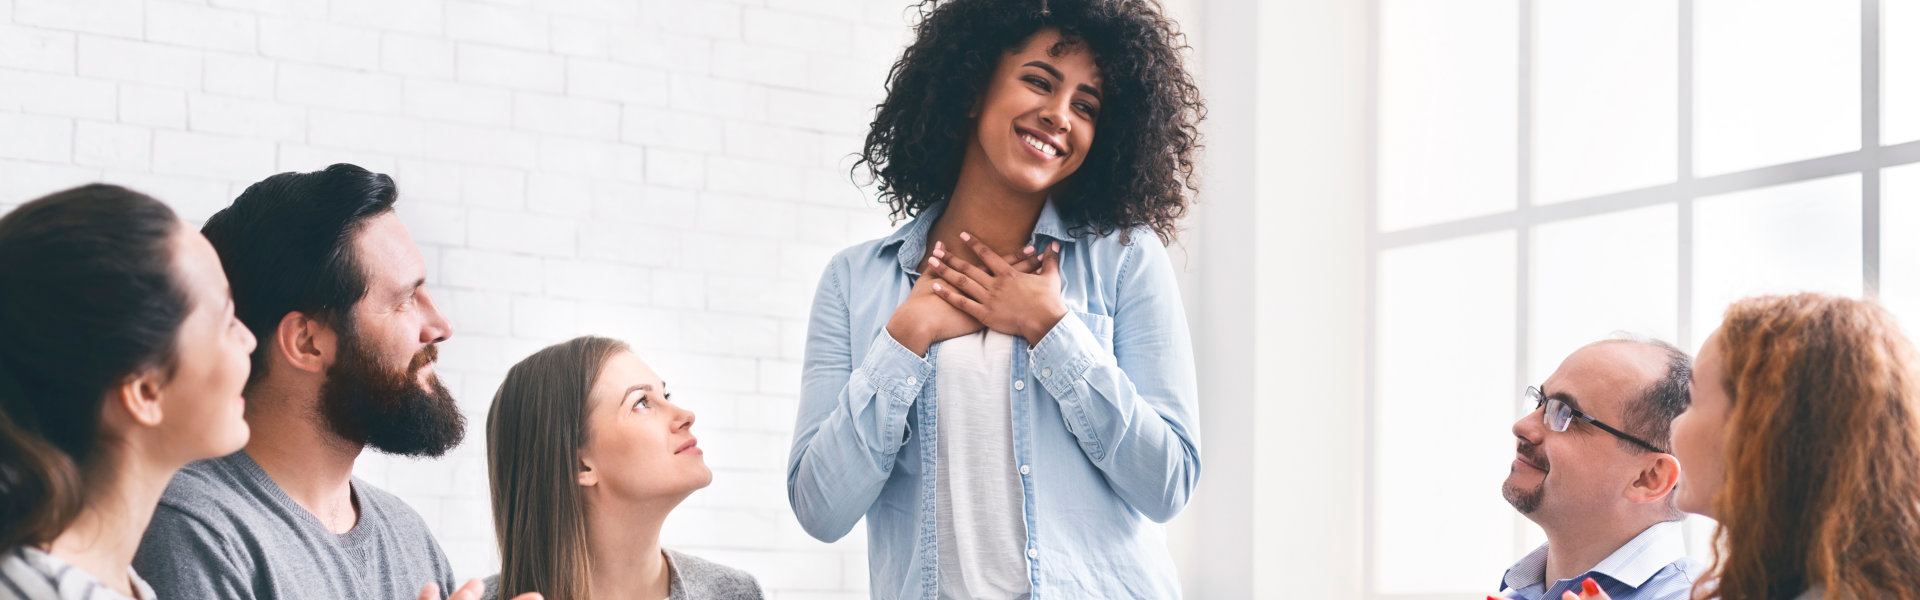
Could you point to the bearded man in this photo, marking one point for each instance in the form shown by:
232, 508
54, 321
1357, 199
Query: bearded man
330, 282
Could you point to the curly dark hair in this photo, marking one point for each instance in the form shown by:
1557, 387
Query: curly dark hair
1141, 164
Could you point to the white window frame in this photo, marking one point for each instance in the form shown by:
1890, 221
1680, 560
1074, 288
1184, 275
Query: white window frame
1868, 161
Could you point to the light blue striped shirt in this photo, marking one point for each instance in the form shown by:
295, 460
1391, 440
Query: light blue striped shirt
1651, 566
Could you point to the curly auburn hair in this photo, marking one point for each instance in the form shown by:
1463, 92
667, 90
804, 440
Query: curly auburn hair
1822, 451
1141, 163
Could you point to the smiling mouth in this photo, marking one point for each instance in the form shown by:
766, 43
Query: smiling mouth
1522, 459
1041, 145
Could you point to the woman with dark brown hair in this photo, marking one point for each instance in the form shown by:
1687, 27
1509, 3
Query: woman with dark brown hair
1803, 442
120, 362
587, 453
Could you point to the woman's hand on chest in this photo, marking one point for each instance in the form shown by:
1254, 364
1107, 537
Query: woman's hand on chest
1000, 295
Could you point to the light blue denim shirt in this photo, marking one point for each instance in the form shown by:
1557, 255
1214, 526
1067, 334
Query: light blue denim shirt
1104, 420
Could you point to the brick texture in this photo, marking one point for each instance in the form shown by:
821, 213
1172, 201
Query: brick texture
663, 171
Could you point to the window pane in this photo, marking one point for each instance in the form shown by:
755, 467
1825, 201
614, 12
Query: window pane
1599, 275
1448, 87
1899, 71
1796, 237
1775, 81
1445, 403
1899, 249
1607, 79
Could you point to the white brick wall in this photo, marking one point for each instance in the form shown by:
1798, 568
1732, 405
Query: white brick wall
669, 172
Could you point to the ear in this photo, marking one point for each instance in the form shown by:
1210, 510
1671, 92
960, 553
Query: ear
587, 476
305, 342
1656, 481
140, 395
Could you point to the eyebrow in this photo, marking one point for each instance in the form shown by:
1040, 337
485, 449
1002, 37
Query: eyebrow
1042, 65
1568, 399
409, 290
640, 388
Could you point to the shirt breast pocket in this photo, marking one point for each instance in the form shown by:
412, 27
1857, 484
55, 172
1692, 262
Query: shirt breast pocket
1101, 326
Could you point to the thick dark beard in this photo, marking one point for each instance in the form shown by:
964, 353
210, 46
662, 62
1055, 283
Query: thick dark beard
365, 402
1527, 500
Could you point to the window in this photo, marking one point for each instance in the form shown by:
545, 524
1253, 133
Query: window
1548, 172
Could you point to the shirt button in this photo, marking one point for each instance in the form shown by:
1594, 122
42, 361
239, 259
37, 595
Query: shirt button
1046, 372
1019, 385
1024, 469
913, 381
1033, 553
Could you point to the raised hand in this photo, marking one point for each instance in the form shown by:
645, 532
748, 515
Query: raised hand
999, 295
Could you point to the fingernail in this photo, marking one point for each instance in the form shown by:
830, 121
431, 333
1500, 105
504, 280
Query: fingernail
965, 236
933, 261
1589, 586
936, 287
1029, 249
1056, 246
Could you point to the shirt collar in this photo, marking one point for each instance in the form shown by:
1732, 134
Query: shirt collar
1049, 225
909, 242
1631, 564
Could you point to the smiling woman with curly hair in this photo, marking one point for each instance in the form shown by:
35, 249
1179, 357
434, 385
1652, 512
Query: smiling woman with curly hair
1134, 175
1004, 387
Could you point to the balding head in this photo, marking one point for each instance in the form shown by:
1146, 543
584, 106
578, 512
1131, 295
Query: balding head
1662, 373
1562, 478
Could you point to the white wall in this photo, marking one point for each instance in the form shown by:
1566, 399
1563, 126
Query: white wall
1277, 292
667, 172
1312, 179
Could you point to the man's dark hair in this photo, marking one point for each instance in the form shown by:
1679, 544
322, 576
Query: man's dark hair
1142, 161
1650, 416
287, 246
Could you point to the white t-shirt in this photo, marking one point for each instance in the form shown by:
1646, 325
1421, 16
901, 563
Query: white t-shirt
982, 527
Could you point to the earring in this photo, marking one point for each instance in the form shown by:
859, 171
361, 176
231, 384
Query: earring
1043, 9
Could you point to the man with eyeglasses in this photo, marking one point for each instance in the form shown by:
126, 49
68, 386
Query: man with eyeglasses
1593, 470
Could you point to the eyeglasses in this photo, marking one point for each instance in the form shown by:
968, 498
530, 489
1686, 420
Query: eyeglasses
1559, 415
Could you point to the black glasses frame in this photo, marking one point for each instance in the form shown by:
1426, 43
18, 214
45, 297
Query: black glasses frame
1541, 401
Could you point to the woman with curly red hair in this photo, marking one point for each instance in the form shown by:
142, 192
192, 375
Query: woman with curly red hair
1803, 442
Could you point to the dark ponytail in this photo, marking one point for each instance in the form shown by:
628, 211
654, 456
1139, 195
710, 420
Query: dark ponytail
39, 484
88, 297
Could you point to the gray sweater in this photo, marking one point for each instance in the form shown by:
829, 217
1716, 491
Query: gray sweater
225, 530
688, 578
